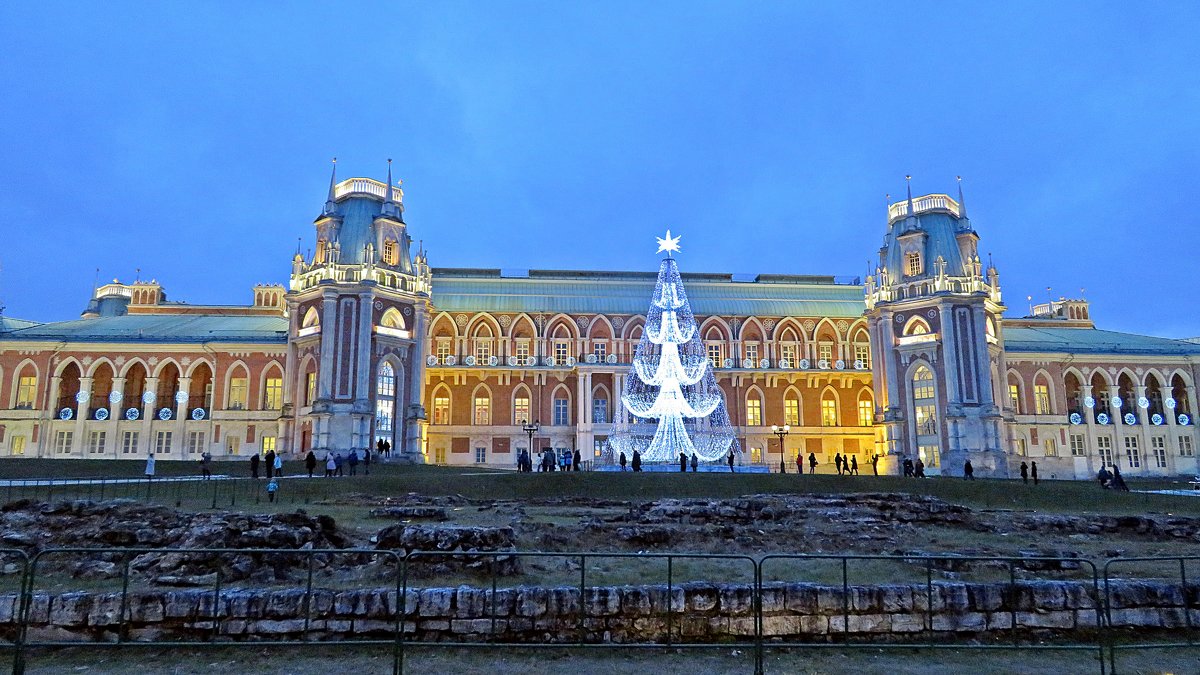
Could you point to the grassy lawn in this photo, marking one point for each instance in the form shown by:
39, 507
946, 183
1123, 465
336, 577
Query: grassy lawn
396, 480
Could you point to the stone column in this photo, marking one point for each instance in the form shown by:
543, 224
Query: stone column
416, 386
986, 395
950, 354
328, 329
181, 415
149, 415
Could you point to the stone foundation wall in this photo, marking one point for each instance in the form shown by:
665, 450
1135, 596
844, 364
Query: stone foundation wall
701, 612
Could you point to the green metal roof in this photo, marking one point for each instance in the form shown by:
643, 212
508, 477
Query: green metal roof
158, 328
10, 324
629, 293
1093, 341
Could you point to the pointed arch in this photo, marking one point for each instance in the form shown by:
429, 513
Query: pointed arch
270, 386
163, 365
865, 406
1073, 389
752, 329
306, 384
442, 401
560, 402
443, 325
135, 375
102, 373
921, 389
721, 327
62, 366
916, 326
635, 322
752, 406
481, 320
128, 366
602, 404
69, 384
1043, 392
523, 327
481, 405
831, 407
562, 326
23, 395
392, 318
598, 326
1016, 397
98, 363
826, 330
793, 406
312, 318
522, 405
236, 387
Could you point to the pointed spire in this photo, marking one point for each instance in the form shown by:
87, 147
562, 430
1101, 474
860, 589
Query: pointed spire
908, 183
330, 204
389, 197
962, 203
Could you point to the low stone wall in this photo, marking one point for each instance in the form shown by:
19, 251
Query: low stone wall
700, 612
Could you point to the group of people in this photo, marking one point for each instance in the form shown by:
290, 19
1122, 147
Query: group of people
548, 461
914, 469
1111, 480
336, 464
637, 460
272, 462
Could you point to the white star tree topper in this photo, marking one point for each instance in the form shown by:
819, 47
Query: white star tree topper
667, 243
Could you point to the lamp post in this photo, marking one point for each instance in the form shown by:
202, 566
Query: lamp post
781, 431
530, 430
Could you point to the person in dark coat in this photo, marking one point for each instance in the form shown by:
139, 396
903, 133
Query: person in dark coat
1104, 477
875, 464
908, 468
341, 464
379, 447
576, 460
853, 466
637, 460
622, 460
310, 462
367, 461
799, 463
1117, 481
812, 462
270, 459
839, 463
730, 460
968, 470
694, 464
683, 462
254, 460
1033, 472
1024, 472
352, 460
919, 471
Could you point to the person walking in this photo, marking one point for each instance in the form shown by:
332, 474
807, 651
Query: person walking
367, 461
206, 465
387, 448
622, 460
576, 460
694, 463
270, 459
279, 465
254, 460
837, 461
330, 465
1033, 472
683, 462
1024, 472
812, 462
1118, 482
340, 463
272, 488
150, 465
920, 468
352, 460
968, 470
854, 465
637, 461
730, 460
875, 464
908, 468
379, 447
799, 463
310, 462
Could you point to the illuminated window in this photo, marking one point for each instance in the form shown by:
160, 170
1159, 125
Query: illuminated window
829, 416
162, 443
129, 443
922, 383
1041, 396
267, 444
1158, 444
788, 353
863, 353
1014, 398
96, 443
439, 455
866, 412
319, 257
63, 441
443, 350
26, 391
391, 255
825, 352
233, 445
521, 410
483, 351
1050, 447
18, 445
273, 391
753, 411
1104, 445
441, 410
310, 388
929, 455
1019, 446
912, 263
562, 412
1132, 452
1078, 445
483, 410
1185, 446
522, 351
195, 442
237, 393
926, 418
791, 412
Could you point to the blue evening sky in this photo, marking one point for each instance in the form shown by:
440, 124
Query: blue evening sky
192, 139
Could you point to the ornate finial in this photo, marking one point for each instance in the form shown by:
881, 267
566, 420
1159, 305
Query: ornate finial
962, 203
667, 243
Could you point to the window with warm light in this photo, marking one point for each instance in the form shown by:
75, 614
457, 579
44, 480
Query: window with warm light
912, 263
863, 353
866, 412
441, 410
1014, 397
310, 388
483, 351
18, 445
391, 255
829, 416
26, 391
825, 352
1050, 447
63, 442
753, 411
788, 353
521, 410
443, 350
522, 351
483, 410
273, 393
1041, 395
923, 383
716, 355
237, 393
791, 412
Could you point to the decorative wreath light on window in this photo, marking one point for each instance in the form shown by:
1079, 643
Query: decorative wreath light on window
1130, 419
1102, 418
727, 363
823, 364
1184, 419
181, 397
493, 360
764, 363
451, 360
1170, 403
148, 398
1143, 402
530, 361
571, 361
611, 358
82, 397
1089, 401
115, 397
197, 414
431, 360
747, 363
1116, 401
164, 414
805, 364
132, 414
101, 414
550, 361
1156, 419
66, 414
590, 358
839, 364
859, 365
469, 361
785, 364
511, 361
1076, 418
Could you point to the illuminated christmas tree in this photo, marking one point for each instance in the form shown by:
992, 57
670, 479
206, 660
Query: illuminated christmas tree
672, 381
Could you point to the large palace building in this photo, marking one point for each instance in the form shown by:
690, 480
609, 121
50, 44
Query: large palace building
470, 366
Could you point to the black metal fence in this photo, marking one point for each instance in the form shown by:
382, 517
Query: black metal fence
312, 571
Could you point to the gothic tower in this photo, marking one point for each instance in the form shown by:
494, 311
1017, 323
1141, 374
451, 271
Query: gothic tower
358, 312
934, 316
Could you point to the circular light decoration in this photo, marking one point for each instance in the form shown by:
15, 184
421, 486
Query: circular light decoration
1143, 402
550, 361
1102, 418
470, 360
181, 397
804, 364
197, 413
164, 414
148, 397
859, 365
1156, 419
1116, 401
530, 361
1076, 418
823, 364
1130, 419
82, 397
1089, 401
1184, 419
728, 363
784, 363
132, 414
512, 361
571, 362
764, 363
101, 414
493, 360
115, 397
590, 358
431, 361
451, 360
611, 358
747, 364
66, 414
1170, 403
839, 364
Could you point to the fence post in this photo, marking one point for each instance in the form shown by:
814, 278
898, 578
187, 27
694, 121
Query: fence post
22, 616
402, 580
670, 562
758, 612
582, 611
216, 607
214, 495
1012, 605
121, 625
845, 600
308, 596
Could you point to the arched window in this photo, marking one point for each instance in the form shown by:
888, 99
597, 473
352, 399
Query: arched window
135, 386
562, 407
599, 405
482, 408
1074, 393
916, 326
753, 409
1179, 392
311, 318
1154, 394
441, 406
829, 409
322, 246
1014, 393
102, 382
862, 348
168, 387
272, 396
27, 387
68, 386
924, 401
715, 347
789, 348
1128, 395
239, 386
392, 319
1100, 396
391, 253
912, 264
521, 408
791, 408
866, 408
562, 344
385, 401
483, 344
1041, 395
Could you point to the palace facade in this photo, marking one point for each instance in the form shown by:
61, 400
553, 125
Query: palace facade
470, 366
